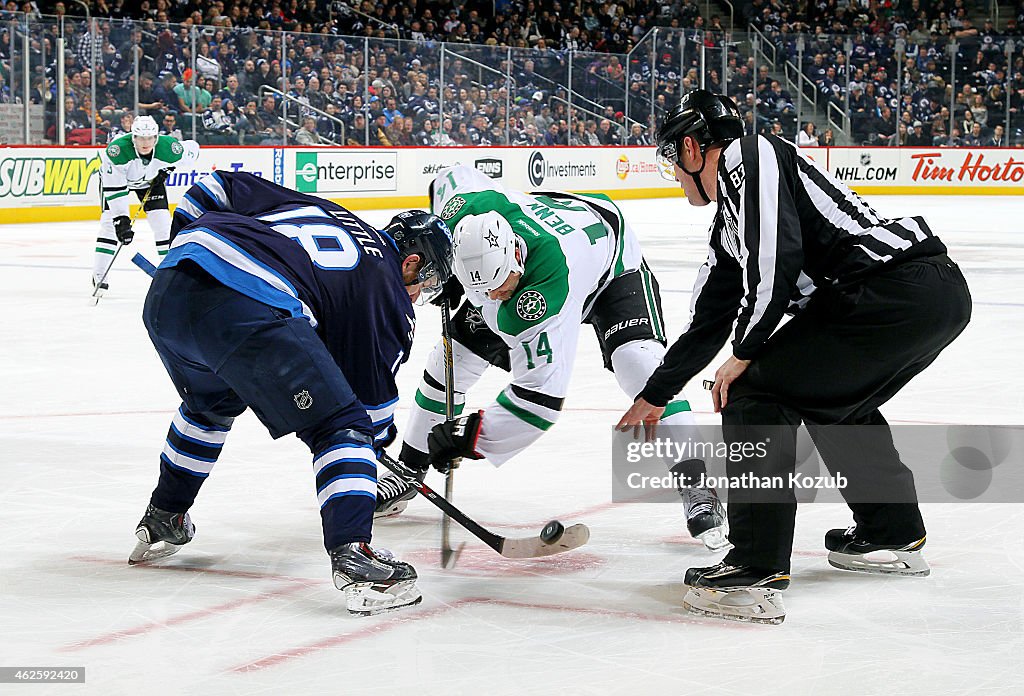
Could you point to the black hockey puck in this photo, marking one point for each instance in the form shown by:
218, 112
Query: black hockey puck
552, 532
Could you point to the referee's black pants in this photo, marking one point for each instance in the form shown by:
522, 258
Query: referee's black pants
833, 365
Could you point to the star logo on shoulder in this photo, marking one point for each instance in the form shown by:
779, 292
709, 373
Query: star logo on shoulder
492, 239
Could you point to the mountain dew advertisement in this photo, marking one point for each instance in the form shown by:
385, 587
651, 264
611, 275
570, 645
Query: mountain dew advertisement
333, 171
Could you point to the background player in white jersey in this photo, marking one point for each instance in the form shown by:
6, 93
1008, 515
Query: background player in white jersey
535, 268
137, 162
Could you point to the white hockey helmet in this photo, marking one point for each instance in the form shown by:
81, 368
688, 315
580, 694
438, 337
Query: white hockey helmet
485, 251
144, 133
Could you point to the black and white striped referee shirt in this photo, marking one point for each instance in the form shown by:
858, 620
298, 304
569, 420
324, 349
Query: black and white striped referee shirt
784, 227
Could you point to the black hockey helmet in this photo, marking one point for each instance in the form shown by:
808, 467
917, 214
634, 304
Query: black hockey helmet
425, 234
707, 117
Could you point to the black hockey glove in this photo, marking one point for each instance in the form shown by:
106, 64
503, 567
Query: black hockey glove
453, 439
452, 291
123, 229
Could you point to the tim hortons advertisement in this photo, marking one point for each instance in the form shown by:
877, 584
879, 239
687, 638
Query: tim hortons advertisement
966, 167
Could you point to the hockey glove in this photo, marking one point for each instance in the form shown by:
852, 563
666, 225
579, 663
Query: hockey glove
453, 439
452, 291
123, 229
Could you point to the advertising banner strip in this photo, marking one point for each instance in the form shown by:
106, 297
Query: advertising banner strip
50, 184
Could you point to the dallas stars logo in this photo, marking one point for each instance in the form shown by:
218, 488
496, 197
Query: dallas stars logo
531, 305
492, 239
452, 207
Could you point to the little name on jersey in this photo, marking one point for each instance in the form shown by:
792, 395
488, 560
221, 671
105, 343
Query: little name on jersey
368, 242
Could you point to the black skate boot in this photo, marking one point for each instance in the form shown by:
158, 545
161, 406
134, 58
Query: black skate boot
161, 534
393, 495
98, 292
849, 552
373, 581
394, 492
739, 593
705, 514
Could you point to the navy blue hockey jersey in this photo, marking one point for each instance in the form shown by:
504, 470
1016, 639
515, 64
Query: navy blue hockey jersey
311, 258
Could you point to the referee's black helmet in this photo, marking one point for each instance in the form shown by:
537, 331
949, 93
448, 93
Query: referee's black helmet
707, 117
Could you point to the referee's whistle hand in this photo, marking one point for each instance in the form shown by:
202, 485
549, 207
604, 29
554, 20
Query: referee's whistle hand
641, 413
728, 373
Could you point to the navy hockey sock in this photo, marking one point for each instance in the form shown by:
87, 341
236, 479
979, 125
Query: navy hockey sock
346, 488
192, 447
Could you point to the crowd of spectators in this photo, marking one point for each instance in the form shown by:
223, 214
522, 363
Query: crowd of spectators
372, 74
897, 84
351, 75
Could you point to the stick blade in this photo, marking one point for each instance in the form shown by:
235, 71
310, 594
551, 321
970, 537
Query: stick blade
144, 264
450, 556
533, 547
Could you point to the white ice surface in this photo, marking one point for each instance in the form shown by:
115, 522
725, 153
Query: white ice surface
249, 608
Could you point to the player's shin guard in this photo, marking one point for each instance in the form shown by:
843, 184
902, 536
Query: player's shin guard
194, 442
430, 406
106, 245
160, 223
346, 485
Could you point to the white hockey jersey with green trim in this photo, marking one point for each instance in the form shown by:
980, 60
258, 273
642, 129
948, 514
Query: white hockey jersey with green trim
575, 245
123, 170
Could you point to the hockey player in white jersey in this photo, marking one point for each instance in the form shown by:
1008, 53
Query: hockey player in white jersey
137, 162
536, 267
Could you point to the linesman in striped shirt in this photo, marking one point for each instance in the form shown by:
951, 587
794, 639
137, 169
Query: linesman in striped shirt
875, 301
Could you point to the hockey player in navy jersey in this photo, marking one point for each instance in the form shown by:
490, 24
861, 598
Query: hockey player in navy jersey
292, 306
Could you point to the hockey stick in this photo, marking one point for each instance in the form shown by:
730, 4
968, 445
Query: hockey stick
142, 206
448, 554
144, 264
527, 547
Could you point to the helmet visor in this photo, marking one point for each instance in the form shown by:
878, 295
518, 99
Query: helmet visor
667, 157
429, 280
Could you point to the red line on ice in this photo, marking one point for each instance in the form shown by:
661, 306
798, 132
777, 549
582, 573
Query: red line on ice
393, 621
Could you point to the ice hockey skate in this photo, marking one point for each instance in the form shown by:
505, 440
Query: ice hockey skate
705, 514
372, 580
393, 496
849, 552
738, 593
161, 534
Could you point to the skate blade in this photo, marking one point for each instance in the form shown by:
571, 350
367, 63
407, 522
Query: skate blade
905, 563
363, 599
392, 510
749, 605
715, 539
145, 552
